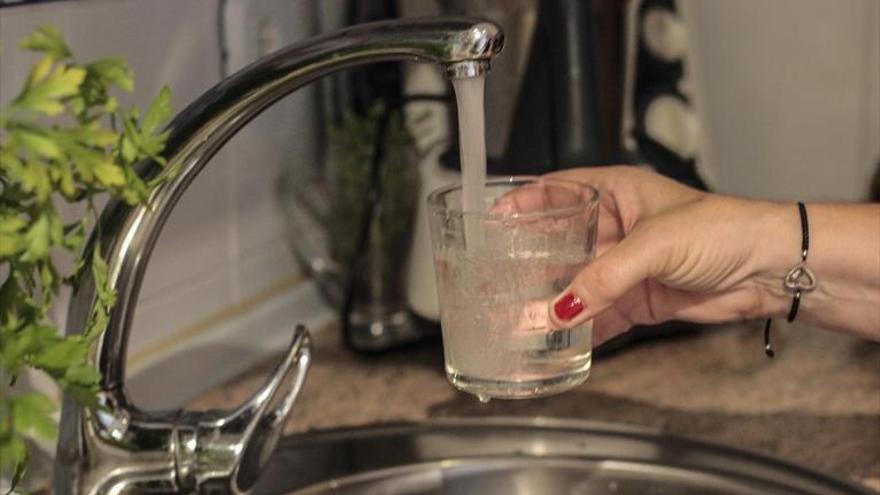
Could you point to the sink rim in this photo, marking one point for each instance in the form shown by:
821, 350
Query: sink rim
524, 438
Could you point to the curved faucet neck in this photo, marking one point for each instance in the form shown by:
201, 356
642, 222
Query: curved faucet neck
464, 47
128, 234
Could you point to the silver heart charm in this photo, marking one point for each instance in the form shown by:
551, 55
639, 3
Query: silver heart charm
800, 278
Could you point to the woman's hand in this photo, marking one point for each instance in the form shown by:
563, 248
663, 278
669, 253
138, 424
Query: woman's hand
665, 252
669, 252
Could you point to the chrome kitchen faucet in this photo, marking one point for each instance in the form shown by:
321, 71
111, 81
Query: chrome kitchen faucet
120, 448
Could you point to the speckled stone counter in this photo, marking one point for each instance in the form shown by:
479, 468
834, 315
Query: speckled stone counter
817, 403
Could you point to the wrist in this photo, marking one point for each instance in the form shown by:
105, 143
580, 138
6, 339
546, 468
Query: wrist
776, 249
843, 255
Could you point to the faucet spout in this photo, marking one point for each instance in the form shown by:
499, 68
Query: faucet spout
121, 448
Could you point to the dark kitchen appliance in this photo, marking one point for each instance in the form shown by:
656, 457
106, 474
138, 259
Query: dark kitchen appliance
578, 82
554, 97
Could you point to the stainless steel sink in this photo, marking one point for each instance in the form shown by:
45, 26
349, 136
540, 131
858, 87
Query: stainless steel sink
527, 456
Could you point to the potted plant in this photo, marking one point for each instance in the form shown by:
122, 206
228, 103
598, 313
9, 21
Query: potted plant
357, 221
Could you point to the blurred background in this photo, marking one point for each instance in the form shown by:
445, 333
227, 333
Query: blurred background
776, 100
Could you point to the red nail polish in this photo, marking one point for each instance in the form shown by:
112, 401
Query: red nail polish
568, 307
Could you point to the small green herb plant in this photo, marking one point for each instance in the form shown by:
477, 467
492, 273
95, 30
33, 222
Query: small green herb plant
352, 144
63, 139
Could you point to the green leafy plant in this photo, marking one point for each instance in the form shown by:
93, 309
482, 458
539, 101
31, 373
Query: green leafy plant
63, 139
352, 143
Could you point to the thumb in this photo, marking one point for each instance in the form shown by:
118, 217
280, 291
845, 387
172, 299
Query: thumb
605, 280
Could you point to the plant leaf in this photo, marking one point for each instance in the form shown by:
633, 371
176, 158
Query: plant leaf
58, 357
112, 71
38, 143
46, 39
21, 344
83, 375
49, 283
106, 294
107, 172
13, 458
131, 137
94, 165
45, 95
10, 301
11, 223
40, 70
32, 413
111, 105
73, 239
92, 134
97, 323
64, 178
12, 229
84, 396
9, 161
37, 239
36, 179
135, 190
158, 112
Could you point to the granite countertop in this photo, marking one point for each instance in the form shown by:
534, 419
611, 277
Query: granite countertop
817, 403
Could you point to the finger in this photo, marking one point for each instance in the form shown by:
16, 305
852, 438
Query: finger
609, 233
606, 279
598, 177
644, 192
542, 195
523, 199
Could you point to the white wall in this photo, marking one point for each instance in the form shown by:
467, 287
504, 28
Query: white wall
790, 95
223, 257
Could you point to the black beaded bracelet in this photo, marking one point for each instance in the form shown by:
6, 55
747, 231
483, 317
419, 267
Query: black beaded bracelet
798, 280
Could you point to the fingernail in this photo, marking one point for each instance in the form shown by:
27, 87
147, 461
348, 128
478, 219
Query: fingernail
568, 306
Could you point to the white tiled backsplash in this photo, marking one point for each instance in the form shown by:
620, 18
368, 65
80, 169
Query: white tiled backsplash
223, 251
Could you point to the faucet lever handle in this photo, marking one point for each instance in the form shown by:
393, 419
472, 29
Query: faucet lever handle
227, 450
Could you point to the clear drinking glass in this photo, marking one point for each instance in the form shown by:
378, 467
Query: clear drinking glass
497, 270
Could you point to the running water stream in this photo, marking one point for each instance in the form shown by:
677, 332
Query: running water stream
469, 92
